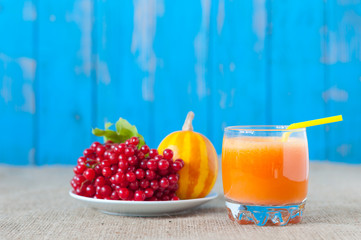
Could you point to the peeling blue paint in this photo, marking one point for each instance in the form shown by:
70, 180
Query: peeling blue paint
75, 63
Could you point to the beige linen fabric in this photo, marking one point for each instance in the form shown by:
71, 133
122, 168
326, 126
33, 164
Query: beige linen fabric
34, 204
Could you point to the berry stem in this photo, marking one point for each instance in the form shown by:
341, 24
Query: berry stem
187, 126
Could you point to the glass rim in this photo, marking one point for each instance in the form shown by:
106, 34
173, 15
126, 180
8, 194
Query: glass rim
262, 128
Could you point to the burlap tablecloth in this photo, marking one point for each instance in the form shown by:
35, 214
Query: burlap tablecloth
34, 204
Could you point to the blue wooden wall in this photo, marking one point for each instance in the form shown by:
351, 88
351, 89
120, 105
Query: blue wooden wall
67, 66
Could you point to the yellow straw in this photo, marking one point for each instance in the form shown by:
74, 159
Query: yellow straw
311, 123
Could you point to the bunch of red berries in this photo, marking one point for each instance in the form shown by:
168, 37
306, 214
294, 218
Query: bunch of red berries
125, 172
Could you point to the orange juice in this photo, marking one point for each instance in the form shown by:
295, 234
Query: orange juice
265, 170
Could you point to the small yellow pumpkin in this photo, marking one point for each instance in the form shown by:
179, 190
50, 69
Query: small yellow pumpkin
199, 174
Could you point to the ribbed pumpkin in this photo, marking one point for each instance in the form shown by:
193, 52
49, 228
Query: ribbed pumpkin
199, 174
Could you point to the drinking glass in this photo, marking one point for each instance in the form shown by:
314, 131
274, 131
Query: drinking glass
265, 174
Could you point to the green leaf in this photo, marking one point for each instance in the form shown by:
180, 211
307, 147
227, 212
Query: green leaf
123, 127
108, 125
141, 140
107, 134
124, 131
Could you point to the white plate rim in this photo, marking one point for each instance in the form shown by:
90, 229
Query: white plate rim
211, 196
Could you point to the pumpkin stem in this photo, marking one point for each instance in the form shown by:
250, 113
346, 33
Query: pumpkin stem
187, 126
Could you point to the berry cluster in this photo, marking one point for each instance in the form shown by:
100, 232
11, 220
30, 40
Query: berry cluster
125, 172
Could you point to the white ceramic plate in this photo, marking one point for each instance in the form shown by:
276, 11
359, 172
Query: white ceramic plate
133, 208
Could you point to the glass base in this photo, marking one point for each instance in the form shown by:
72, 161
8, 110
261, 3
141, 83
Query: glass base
265, 215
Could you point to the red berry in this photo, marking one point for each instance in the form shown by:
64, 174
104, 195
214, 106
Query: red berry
132, 160
107, 172
163, 172
129, 152
143, 164
122, 157
130, 176
158, 194
173, 187
114, 169
81, 161
144, 149
107, 154
139, 173
140, 155
87, 152
148, 192
180, 161
134, 185
90, 191
112, 180
144, 183
100, 150
116, 149
113, 158
124, 184
172, 179
152, 199
171, 195
95, 145
80, 191
168, 154
152, 164
150, 174
91, 162
158, 157
165, 198
109, 142
98, 196
139, 195
116, 187
98, 169
123, 164
123, 193
131, 195
134, 141
73, 184
114, 195
131, 169
127, 142
154, 184
164, 183
163, 164
79, 169
99, 181
119, 178
121, 148
89, 174
176, 166
105, 163
153, 153
79, 179
105, 191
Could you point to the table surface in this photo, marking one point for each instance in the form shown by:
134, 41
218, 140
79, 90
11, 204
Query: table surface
34, 204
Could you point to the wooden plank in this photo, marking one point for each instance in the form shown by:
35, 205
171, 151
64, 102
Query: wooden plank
181, 49
297, 73
239, 66
343, 93
125, 76
64, 80
17, 74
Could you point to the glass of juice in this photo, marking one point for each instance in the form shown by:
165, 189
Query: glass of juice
265, 174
